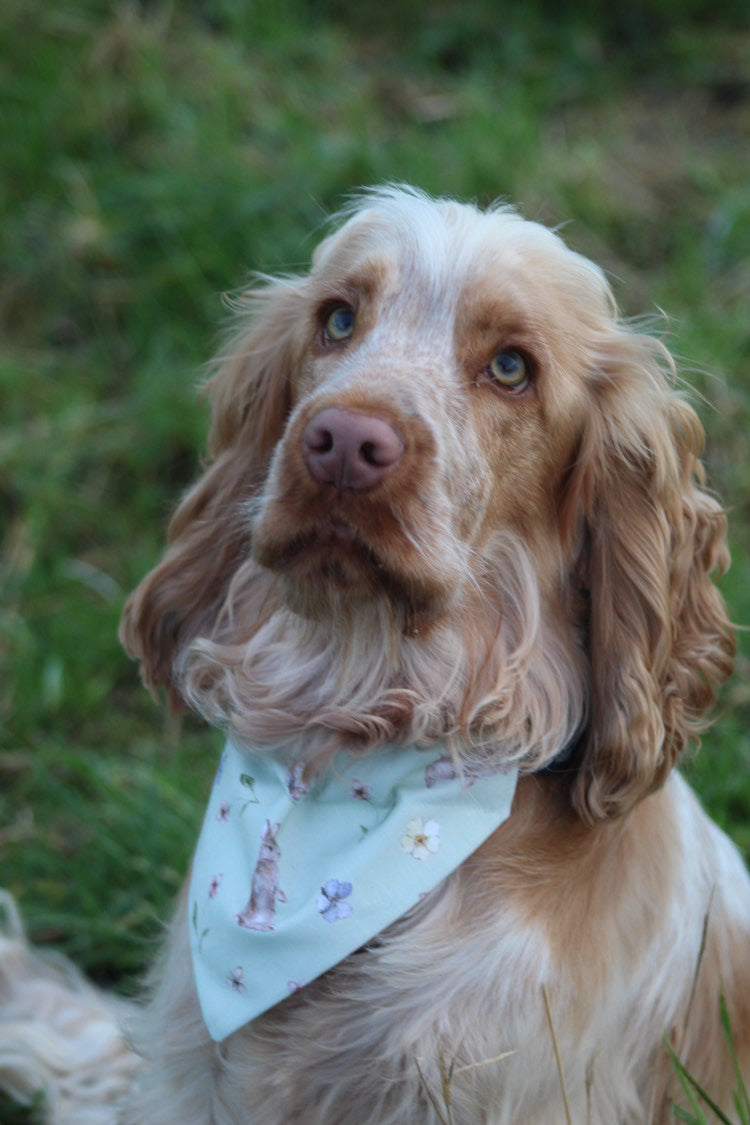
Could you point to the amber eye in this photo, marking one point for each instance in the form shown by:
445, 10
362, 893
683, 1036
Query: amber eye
339, 324
509, 369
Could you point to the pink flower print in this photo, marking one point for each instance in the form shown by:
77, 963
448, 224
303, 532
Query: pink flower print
224, 811
237, 979
422, 838
330, 900
295, 782
215, 886
359, 790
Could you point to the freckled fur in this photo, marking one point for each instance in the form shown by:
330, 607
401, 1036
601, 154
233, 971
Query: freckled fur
537, 573
544, 565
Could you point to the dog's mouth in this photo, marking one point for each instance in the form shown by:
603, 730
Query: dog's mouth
330, 552
332, 557
337, 534
329, 548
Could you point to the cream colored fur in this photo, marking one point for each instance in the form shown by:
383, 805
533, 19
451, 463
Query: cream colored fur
460, 983
533, 575
59, 1034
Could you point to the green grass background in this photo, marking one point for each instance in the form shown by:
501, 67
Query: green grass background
151, 155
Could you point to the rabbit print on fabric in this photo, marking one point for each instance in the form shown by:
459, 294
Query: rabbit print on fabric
261, 909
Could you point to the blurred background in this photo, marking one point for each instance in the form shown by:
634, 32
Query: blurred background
152, 154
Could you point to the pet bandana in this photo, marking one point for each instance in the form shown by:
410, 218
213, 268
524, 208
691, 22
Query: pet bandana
289, 879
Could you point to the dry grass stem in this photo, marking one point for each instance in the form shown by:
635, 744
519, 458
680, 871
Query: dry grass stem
446, 1118
589, 1088
445, 1112
563, 1089
696, 971
484, 1062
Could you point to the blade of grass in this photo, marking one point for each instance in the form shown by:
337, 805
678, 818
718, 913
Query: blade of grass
484, 1062
698, 963
590, 1089
433, 1100
741, 1100
689, 1083
683, 1115
563, 1088
446, 1074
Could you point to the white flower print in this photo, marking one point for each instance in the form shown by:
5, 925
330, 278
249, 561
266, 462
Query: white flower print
422, 838
330, 902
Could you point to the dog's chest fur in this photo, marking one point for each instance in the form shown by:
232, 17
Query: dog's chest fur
473, 988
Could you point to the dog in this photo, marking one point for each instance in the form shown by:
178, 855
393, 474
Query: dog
454, 507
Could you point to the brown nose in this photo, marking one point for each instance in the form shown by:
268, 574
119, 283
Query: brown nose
350, 451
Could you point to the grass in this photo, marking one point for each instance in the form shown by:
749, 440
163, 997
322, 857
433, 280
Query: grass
152, 155
698, 1099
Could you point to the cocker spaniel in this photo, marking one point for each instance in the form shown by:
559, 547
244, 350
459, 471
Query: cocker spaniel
453, 516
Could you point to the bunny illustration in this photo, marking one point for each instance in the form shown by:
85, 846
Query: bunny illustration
261, 909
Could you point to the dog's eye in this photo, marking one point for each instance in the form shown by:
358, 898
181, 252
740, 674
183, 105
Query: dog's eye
339, 324
509, 369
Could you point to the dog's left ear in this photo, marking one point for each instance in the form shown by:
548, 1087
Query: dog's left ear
650, 537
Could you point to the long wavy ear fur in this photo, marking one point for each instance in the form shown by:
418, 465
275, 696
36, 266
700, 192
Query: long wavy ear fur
659, 638
208, 534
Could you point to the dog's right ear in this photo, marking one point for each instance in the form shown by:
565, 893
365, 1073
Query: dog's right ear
209, 535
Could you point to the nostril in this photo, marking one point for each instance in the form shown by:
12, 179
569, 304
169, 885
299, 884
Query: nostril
368, 452
319, 439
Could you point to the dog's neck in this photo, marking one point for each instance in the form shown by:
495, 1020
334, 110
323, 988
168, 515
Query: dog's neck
507, 689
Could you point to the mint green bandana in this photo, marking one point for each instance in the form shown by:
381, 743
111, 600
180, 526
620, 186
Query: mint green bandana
289, 879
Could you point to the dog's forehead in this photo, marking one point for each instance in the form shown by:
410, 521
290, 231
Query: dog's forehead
402, 241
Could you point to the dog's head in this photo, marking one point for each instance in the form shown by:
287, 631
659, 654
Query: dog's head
450, 495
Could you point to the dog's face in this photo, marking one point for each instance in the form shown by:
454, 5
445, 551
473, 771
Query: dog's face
436, 396
451, 497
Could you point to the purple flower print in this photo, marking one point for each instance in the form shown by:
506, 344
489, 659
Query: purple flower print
359, 790
224, 811
237, 979
214, 886
330, 902
442, 769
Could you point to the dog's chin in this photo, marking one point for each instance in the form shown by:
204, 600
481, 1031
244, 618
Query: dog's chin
331, 566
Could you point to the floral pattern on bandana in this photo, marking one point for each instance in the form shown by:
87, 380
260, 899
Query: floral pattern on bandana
291, 875
359, 790
422, 838
237, 979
